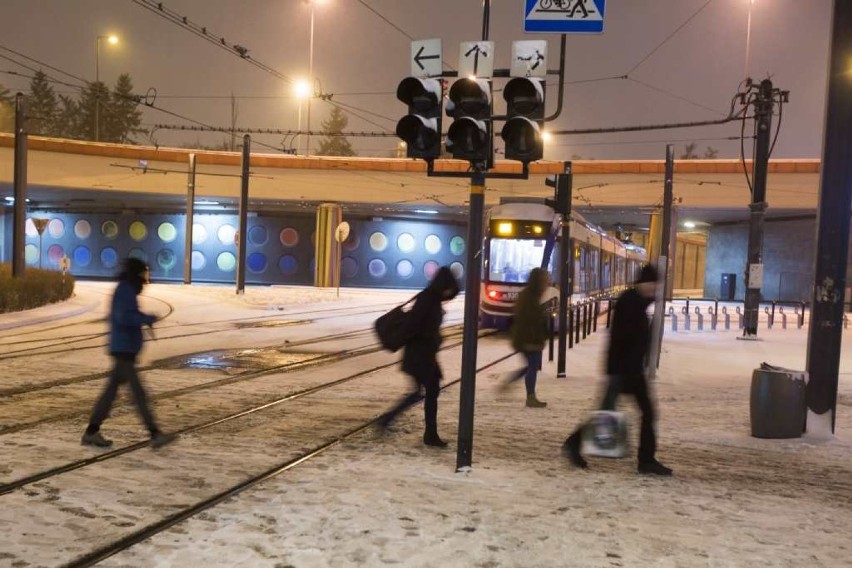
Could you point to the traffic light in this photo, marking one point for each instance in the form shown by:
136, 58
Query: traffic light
525, 111
421, 128
469, 137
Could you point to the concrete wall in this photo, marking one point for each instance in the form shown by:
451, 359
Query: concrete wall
788, 256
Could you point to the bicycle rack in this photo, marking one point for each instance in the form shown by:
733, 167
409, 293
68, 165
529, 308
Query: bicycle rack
699, 318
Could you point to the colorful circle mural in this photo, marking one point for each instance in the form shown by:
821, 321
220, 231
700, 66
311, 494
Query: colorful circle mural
138, 231
56, 228
226, 262
457, 268
166, 259
404, 268
405, 242
81, 257
377, 268
109, 256
429, 269
139, 253
349, 267
31, 254
289, 237
198, 260
378, 241
109, 229
258, 235
167, 232
433, 244
288, 265
256, 261
55, 254
226, 234
457, 245
199, 233
352, 241
30, 228
82, 229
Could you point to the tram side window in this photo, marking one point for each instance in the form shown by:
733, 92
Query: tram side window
511, 260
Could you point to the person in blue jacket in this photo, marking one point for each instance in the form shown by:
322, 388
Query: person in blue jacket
125, 342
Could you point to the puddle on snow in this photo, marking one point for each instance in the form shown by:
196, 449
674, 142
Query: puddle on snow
271, 323
225, 359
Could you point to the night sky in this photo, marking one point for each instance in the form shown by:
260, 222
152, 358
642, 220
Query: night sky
360, 58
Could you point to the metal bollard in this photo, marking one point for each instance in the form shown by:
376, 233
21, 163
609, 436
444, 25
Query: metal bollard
727, 318
608, 311
585, 318
769, 316
699, 318
687, 304
673, 315
570, 327
740, 317
686, 326
845, 321
552, 329
783, 317
772, 316
577, 325
802, 316
589, 318
596, 315
714, 313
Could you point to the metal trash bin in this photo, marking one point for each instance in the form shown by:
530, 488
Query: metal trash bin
777, 402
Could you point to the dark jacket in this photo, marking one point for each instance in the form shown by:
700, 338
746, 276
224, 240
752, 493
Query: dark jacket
630, 336
529, 326
126, 320
423, 324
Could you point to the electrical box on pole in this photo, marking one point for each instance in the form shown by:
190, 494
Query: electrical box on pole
469, 137
421, 128
522, 132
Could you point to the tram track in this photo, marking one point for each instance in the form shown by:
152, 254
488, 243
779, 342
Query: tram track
111, 454
124, 543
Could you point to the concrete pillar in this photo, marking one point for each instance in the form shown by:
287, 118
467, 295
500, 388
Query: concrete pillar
327, 271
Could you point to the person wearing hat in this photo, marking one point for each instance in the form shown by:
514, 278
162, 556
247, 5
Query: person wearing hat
125, 342
629, 343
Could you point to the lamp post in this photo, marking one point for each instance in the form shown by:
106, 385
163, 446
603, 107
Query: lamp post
313, 4
302, 90
112, 40
748, 37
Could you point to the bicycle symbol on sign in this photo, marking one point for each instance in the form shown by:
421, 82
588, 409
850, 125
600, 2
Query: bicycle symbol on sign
570, 6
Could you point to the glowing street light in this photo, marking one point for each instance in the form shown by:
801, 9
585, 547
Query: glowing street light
313, 4
111, 39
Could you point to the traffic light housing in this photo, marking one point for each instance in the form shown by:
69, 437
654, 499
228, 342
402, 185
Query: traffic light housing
525, 119
469, 137
421, 128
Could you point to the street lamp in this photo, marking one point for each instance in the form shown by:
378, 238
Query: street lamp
748, 37
302, 91
112, 40
313, 4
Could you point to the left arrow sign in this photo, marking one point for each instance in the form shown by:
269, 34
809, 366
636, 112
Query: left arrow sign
426, 58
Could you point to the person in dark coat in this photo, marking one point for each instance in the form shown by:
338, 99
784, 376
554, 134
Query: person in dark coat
125, 342
529, 333
420, 353
629, 343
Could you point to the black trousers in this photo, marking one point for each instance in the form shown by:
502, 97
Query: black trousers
427, 386
123, 371
637, 386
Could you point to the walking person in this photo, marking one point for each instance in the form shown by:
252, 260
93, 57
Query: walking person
422, 331
629, 343
125, 342
529, 333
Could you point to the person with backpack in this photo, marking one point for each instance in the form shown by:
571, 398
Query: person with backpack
529, 333
125, 342
629, 344
421, 331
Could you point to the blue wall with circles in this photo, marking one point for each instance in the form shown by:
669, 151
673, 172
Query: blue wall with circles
389, 253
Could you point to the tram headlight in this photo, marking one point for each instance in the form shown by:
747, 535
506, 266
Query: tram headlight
537, 229
504, 228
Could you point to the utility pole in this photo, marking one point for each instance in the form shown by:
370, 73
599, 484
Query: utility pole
764, 103
190, 214
832, 247
242, 234
19, 215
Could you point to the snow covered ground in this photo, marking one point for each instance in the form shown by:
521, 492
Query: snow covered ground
388, 500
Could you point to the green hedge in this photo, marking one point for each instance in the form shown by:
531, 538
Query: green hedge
36, 288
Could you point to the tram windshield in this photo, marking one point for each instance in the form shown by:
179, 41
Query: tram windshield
511, 260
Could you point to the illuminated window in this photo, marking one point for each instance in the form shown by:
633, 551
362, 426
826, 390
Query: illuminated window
199, 233
433, 244
167, 232
378, 241
82, 229
405, 242
138, 231
56, 228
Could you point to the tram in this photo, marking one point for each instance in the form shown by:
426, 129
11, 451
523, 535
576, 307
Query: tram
522, 234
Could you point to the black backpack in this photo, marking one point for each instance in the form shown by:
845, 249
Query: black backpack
389, 327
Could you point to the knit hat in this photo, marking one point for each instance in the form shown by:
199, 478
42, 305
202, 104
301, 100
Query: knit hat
648, 274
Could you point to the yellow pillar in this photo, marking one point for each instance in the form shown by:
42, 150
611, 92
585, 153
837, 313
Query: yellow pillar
327, 270
655, 237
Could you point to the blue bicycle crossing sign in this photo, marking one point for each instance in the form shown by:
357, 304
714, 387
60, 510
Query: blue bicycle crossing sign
564, 16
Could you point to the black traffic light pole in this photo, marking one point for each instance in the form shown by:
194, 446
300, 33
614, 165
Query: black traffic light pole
564, 185
19, 214
832, 247
467, 396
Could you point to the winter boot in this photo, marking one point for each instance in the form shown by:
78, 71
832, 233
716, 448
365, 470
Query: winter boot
533, 402
571, 450
159, 439
95, 439
432, 439
654, 467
